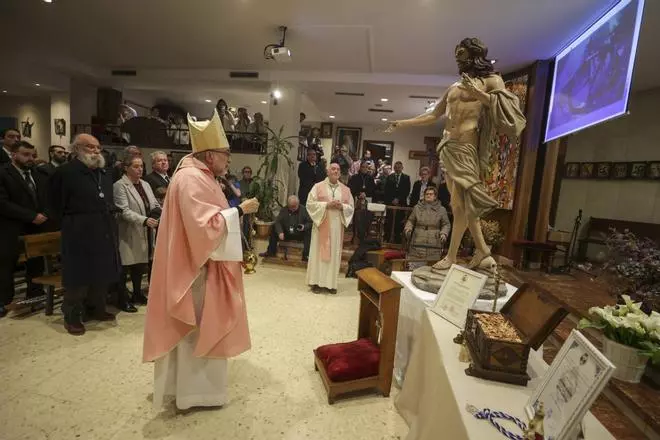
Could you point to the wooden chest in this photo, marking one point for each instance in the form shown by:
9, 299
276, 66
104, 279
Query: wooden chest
533, 315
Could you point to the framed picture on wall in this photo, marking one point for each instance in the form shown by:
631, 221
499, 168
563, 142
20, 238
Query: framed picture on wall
653, 170
60, 127
587, 170
619, 170
326, 130
572, 170
603, 170
379, 150
348, 137
638, 170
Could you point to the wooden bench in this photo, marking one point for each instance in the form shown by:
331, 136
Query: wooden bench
598, 229
46, 246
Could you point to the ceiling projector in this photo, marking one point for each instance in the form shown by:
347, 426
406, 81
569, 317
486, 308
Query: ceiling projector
278, 52
281, 54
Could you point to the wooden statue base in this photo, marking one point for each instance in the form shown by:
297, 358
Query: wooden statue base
335, 389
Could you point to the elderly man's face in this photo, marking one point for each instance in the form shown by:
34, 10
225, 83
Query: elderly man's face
424, 175
311, 156
334, 172
161, 164
293, 205
247, 173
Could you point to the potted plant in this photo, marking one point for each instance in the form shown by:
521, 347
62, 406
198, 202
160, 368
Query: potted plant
265, 186
631, 336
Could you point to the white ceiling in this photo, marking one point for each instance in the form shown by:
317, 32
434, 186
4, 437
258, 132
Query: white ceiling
383, 48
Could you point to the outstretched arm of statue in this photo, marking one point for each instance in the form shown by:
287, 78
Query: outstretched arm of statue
427, 118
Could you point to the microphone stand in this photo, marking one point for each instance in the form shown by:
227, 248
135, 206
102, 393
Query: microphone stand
568, 257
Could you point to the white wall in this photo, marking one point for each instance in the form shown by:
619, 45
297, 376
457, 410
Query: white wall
35, 108
635, 137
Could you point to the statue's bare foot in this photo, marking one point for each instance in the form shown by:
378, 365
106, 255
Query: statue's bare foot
478, 258
444, 264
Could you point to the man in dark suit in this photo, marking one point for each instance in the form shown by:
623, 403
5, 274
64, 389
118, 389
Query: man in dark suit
310, 173
57, 156
9, 137
397, 188
420, 186
81, 196
362, 185
292, 223
23, 202
160, 165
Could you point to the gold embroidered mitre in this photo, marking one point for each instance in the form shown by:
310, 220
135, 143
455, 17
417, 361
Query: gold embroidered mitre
207, 135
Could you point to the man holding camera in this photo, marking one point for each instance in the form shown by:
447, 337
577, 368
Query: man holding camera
293, 223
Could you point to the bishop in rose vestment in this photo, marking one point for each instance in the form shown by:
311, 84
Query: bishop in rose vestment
328, 229
196, 316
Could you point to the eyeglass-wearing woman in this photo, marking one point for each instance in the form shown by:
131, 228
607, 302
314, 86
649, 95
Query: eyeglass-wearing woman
137, 222
427, 227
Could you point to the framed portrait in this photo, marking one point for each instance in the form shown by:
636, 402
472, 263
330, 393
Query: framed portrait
349, 137
572, 170
653, 170
619, 170
638, 170
569, 387
60, 127
587, 170
326, 130
379, 150
603, 170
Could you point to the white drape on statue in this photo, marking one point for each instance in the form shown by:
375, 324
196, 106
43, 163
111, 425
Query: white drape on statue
319, 272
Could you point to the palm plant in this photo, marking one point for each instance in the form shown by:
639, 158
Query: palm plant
265, 186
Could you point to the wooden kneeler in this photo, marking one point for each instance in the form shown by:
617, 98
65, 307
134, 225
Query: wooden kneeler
379, 316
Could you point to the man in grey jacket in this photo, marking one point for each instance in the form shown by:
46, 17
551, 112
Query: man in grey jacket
293, 223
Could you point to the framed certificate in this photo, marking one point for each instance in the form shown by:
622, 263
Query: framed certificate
569, 387
458, 292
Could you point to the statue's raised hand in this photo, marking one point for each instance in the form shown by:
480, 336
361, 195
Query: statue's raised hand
470, 84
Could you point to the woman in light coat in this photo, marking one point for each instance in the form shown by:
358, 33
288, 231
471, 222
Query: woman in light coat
137, 222
427, 227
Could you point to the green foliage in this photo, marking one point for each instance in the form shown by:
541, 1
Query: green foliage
265, 186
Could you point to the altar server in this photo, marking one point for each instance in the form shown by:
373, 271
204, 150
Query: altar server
330, 206
196, 316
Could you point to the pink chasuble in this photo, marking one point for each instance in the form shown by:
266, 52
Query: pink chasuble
191, 228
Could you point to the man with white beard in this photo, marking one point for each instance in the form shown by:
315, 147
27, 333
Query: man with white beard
81, 198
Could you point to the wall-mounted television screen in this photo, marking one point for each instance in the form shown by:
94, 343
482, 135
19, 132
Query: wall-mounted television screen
592, 75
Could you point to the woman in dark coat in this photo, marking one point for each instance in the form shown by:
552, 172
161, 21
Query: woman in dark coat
427, 227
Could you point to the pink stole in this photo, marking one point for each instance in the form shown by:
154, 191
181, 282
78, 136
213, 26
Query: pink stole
324, 228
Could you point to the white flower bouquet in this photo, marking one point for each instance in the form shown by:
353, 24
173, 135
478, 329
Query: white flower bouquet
627, 324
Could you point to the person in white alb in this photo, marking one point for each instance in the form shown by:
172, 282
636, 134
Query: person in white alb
330, 206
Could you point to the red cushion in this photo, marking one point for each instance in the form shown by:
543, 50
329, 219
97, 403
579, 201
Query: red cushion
350, 360
394, 255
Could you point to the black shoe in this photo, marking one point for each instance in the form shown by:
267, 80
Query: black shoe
316, 289
3, 311
127, 307
74, 328
332, 291
139, 299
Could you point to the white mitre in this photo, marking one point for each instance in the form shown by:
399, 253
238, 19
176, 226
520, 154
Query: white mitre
207, 135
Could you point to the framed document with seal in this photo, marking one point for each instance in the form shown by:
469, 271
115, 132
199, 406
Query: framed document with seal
458, 292
569, 387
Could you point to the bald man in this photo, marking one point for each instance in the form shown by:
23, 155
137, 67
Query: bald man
82, 199
293, 223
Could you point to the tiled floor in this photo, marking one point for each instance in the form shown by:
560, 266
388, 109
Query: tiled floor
56, 386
